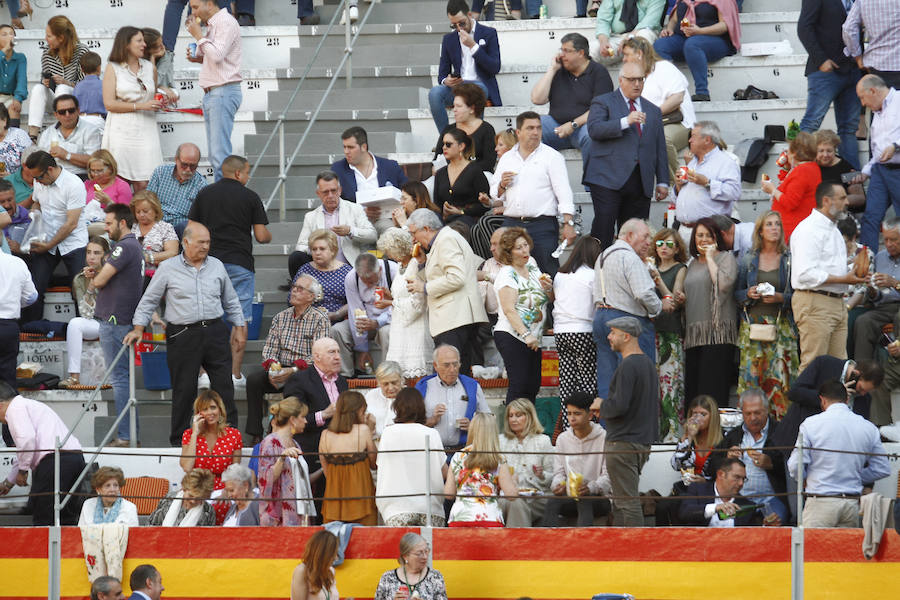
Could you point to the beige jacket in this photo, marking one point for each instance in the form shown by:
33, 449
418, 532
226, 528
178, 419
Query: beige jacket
362, 233
451, 283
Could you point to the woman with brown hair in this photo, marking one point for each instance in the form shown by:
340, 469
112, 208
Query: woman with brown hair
210, 443
108, 506
313, 579
276, 481
62, 61
795, 197
459, 186
702, 433
767, 365
347, 452
469, 101
129, 86
187, 507
413, 195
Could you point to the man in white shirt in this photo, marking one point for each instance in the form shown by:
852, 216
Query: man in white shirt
819, 276
704, 500
346, 219
61, 196
532, 182
72, 140
17, 291
884, 167
713, 182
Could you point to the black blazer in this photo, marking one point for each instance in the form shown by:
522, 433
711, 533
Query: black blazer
804, 397
736, 436
307, 386
819, 30
693, 505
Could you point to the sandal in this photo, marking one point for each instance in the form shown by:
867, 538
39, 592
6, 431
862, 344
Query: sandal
25, 9
595, 5
68, 382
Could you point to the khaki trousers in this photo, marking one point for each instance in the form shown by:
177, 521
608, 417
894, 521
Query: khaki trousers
822, 323
831, 512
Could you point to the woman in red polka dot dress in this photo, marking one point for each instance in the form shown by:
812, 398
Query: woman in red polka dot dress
214, 444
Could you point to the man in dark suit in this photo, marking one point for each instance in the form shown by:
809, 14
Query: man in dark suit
146, 583
360, 169
703, 500
318, 387
470, 53
628, 151
831, 75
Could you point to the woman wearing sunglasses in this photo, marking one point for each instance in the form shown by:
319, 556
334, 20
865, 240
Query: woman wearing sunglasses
669, 256
129, 85
459, 187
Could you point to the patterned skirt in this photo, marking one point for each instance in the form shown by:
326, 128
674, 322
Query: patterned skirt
670, 364
769, 366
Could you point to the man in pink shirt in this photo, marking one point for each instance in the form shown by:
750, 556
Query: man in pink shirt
35, 429
220, 76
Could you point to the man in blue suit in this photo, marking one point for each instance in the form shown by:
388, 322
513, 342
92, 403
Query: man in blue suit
470, 53
628, 151
361, 170
146, 583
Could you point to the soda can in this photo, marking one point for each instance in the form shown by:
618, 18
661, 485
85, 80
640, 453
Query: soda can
782, 160
379, 294
543, 14
160, 97
193, 48
683, 173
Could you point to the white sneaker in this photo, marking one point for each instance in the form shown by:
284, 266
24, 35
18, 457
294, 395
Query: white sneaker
239, 382
891, 432
203, 381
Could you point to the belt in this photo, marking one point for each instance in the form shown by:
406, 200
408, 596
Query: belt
199, 324
531, 219
93, 115
601, 305
824, 293
206, 90
844, 496
689, 225
892, 166
2, 320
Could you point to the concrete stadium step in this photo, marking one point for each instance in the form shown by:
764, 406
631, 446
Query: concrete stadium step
397, 97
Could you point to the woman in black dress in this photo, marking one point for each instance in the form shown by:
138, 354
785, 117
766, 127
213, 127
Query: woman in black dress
468, 107
460, 186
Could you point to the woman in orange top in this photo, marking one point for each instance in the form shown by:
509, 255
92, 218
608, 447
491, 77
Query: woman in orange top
795, 198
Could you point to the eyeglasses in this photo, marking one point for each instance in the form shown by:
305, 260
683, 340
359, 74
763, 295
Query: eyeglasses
448, 144
66, 111
299, 288
455, 26
666, 243
420, 553
633, 80
568, 50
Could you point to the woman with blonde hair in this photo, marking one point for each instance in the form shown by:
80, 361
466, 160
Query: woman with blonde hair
419, 580
478, 473
329, 272
313, 579
347, 452
280, 461
187, 507
702, 433
103, 172
763, 291
210, 443
62, 60
156, 237
532, 473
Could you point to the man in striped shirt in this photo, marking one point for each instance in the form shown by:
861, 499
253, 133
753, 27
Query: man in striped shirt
220, 76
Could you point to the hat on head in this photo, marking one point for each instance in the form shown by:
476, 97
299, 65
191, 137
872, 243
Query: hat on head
629, 325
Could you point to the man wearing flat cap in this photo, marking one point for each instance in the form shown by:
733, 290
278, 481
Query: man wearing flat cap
631, 411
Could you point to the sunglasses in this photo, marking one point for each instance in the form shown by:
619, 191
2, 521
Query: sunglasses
67, 111
666, 243
448, 144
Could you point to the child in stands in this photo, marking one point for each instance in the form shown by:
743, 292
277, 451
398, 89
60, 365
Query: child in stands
89, 91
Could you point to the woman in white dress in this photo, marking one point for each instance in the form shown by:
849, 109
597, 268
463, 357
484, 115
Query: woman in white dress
129, 85
411, 344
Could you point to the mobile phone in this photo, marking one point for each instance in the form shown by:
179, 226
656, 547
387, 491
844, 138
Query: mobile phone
887, 338
850, 176
455, 74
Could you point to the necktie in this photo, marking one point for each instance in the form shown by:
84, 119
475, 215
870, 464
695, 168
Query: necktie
632, 108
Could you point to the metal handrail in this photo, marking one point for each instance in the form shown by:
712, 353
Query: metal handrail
285, 166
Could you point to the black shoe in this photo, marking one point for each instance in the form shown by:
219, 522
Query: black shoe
313, 19
246, 20
700, 98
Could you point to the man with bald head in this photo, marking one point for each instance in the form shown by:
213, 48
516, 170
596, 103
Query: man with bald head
884, 167
627, 155
198, 292
177, 184
318, 387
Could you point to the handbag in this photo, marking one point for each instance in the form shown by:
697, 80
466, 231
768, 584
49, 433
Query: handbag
763, 332
673, 117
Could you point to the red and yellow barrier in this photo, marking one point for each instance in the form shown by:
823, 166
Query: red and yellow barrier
674, 563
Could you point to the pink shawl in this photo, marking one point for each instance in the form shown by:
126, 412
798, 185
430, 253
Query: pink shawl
727, 12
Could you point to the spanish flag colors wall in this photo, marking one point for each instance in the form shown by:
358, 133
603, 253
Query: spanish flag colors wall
672, 563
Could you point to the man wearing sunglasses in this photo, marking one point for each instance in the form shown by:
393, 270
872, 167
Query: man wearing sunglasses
72, 140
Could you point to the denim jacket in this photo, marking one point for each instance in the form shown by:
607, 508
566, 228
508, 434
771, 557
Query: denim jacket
748, 277
13, 76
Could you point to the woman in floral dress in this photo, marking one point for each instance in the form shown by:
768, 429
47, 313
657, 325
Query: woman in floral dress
275, 474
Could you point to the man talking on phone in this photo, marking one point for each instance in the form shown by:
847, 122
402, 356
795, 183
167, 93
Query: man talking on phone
470, 53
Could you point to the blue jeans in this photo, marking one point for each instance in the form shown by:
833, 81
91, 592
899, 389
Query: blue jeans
580, 140
111, 337
242, 281
219, 107
305, 9
884, 189
439, 98
172, 20
698, 51
544, 233
840, 88
607, 359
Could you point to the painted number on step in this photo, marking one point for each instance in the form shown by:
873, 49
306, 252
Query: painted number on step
509, 121
253, 84
93, 44
166, 128
273, 41
186, 85
754, 117
42, 44
776, 72
92, 407
61, 3
778, 27
115, 3
429, 29
208, 172
709, 73
524, 78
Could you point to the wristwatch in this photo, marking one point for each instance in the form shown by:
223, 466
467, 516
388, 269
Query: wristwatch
570, 223
575, 126
68, 155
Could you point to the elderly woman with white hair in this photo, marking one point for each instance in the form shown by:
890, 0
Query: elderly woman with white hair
411, 344
413, 579
288, 347
379, 400
244, 510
